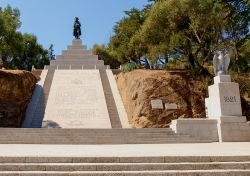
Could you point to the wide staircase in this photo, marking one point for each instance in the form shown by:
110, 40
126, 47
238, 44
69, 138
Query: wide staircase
93, 136
71, 71
126, 166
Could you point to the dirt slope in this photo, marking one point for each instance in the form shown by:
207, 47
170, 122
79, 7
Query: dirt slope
139, 87
16, 88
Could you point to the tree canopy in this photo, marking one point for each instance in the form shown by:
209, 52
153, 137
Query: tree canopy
17, 50
188, 31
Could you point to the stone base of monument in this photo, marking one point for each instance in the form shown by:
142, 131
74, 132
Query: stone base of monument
233, 129
225, 122
205, 129
224, 105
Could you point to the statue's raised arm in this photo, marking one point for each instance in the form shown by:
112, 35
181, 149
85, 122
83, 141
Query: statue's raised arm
221, 62
77, 29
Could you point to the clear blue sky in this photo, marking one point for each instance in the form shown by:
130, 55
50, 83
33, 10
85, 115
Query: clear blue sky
51, 20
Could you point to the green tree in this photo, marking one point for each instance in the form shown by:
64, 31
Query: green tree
191, 30
19, 51
51, 52
104, 54
124, 30
185, 29
237, 30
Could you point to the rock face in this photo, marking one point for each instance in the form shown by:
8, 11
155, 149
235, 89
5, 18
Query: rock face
139, 87
16, 88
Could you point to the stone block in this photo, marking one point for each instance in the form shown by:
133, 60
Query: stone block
224, 100
171, 106
233, 119
157, 104
222, 79
205, 129
77, 42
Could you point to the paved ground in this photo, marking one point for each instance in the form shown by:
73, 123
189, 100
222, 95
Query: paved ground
210, 149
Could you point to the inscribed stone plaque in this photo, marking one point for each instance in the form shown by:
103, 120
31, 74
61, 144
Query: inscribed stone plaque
77, 100
157, 104
171, 106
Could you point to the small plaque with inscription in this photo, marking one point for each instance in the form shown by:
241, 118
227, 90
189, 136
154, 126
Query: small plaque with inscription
171, 106
157, 104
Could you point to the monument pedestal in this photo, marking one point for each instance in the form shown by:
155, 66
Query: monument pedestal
224, 105
225, 122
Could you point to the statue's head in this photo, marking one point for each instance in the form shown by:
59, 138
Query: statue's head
76, 18
220, 55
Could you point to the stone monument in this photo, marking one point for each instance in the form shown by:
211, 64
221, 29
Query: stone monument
77, 90
224, 121
224, 103
77, 29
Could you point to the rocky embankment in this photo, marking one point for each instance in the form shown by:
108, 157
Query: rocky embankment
139, 87
16, 88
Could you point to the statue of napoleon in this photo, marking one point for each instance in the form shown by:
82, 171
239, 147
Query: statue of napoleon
221, 62
77, 28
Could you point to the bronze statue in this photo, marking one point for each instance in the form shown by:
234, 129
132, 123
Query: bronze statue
77, 28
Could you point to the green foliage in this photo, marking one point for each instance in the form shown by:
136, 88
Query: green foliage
129, 66
19, 51
177, 65
124, 31
187, 30
104, 54
182, 28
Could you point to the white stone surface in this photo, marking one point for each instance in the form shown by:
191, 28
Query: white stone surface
224, 105
77, 100
207, 107
118, 100
233, 119
209, 149
222, 78
171, 106
157, 104
224, 100
205, 129
30, 111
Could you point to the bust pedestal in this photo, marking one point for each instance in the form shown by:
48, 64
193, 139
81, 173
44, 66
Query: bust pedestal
224, 105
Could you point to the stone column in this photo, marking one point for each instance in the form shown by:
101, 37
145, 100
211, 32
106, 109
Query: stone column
224, 105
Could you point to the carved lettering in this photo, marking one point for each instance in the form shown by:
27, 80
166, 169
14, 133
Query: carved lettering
230, 99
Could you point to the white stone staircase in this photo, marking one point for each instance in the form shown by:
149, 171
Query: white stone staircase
93, 136
126, 166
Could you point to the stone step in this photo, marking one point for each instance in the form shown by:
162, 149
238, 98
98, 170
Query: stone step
131, 130
130, 173
79, 62
77, 51
112, 109
76, 57
78, 47
118, 100
123, 166
104, 142
80, 66
146, 159
94, 136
